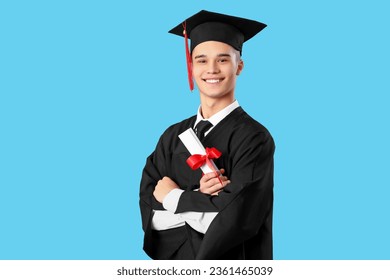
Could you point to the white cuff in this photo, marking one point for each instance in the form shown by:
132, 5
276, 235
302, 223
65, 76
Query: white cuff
172, 199
163, 220
199, 221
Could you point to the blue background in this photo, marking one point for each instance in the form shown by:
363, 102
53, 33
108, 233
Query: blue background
87, 88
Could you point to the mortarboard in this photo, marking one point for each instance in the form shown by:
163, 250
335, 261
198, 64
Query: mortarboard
208, 26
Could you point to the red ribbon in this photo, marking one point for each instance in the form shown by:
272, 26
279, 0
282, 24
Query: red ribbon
196, 161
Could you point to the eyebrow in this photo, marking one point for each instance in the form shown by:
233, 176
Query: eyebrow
219, 55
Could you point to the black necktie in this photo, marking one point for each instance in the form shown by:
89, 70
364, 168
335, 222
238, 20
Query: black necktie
201, 128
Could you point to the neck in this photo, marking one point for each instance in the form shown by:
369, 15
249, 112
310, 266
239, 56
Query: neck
211, 106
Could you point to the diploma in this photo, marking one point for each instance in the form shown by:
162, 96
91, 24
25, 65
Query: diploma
199, 155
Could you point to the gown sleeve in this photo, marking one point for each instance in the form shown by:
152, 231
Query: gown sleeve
157, 244
151, 174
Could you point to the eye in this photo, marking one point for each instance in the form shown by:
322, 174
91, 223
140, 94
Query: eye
223, 60
201, 61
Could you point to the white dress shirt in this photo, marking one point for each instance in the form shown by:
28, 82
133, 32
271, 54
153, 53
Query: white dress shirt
199, 221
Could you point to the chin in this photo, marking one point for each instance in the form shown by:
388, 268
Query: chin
215, 92
215, 95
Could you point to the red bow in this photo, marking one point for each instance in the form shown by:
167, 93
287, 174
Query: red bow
196, 161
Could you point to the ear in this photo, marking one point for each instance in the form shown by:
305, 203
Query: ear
240, 66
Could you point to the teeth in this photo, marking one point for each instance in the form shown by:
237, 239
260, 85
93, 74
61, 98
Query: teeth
213, 81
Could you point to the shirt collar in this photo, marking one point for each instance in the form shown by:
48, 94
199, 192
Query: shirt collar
219, 116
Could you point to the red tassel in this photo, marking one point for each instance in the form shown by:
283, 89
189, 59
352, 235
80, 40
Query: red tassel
188, 57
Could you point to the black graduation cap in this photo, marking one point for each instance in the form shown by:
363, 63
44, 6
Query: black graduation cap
208, 26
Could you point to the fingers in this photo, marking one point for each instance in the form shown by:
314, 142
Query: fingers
210, 175
217, 188
163, 187
211, 184
167, 183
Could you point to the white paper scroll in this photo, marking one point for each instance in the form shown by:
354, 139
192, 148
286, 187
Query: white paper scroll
194, 146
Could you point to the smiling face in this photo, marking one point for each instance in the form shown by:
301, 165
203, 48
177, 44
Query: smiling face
215, 69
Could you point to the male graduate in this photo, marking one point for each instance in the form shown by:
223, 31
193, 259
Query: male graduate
190, 215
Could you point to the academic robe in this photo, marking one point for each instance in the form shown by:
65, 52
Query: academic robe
243, 227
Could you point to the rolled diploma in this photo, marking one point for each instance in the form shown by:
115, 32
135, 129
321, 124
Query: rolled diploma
194, 146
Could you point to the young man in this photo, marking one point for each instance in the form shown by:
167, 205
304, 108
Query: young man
189, 216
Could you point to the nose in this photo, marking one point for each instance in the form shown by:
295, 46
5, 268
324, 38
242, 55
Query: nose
213, 68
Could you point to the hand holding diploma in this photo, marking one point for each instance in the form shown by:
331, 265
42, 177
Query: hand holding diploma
199, 156
210, 184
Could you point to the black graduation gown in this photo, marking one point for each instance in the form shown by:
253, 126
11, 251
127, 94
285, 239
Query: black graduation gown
243, 227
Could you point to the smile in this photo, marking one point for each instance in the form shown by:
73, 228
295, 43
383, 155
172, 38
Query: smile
212, 81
